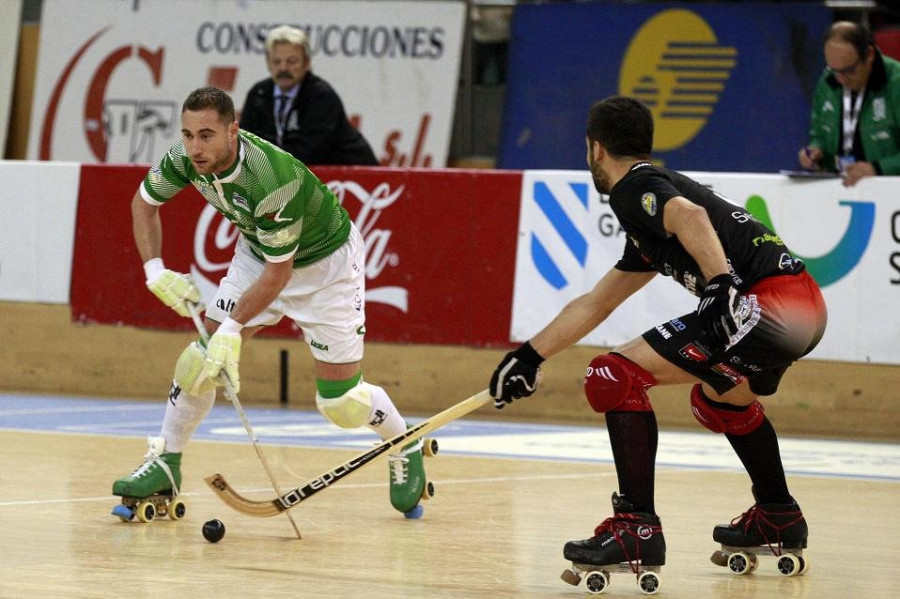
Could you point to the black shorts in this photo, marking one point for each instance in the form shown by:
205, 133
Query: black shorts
792, 318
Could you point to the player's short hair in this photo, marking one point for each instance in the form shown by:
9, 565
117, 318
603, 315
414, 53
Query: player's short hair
205, 98
855, 34
285, 34
624, 126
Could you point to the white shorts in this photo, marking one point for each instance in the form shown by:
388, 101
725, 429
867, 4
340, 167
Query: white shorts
326, 299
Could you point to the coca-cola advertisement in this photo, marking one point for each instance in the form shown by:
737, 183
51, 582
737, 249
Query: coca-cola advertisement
440, 251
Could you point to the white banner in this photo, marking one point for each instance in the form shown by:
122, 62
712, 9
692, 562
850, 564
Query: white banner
112, 75
10, 18
848, 237
38, 201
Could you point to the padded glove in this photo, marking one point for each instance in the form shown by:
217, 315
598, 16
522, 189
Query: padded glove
517, 375
719, 311
223, 352
174, 289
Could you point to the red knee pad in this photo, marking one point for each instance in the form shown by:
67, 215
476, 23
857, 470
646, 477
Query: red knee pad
613, 382
726, 421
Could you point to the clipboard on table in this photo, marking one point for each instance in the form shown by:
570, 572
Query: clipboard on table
809, 174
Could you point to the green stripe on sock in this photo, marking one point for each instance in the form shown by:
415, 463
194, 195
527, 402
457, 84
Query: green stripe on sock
330, 389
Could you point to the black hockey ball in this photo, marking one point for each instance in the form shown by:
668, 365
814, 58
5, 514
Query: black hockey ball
213, 531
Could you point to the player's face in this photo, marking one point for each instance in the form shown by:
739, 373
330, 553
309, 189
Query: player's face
601, 179
287, 64
211, 144
849, 68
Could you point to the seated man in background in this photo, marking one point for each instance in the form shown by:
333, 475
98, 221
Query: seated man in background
855, 122
299, 111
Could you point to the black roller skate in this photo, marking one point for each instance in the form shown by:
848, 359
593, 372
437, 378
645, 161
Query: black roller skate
776, 529
630, 541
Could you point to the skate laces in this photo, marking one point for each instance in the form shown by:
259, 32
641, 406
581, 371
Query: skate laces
631, 525
757, 516
144, 468
399, 463
151, 459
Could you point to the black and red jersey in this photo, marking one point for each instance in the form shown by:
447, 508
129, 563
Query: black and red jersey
638, 199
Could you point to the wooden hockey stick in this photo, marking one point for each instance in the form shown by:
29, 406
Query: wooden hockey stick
232, 396
273, 507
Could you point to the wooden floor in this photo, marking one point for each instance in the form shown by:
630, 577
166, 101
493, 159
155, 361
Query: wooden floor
494, 529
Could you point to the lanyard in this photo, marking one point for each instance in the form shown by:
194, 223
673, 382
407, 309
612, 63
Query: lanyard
851, 118
282, 108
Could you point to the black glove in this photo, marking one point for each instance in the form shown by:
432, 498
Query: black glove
517, 375
719, 311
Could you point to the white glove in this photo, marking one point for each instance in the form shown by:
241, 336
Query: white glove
172, 288
223, 352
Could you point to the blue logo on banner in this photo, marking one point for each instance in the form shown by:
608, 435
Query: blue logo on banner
572, 239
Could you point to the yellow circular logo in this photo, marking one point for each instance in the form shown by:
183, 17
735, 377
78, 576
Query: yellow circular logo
676, 66
648, 201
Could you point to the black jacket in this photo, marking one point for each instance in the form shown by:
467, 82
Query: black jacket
317, 130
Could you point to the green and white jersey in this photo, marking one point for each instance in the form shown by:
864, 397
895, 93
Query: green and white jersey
279, 206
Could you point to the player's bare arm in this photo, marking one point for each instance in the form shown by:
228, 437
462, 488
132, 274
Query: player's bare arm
261, 294
147, 227
172, 288
585, 313
690, 223
720, 299
519, 373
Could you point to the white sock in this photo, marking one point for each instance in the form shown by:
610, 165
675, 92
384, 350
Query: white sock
384, 419
184, 413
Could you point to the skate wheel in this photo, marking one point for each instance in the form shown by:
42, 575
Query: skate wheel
596, 582
741, 563
428, 491
789, 565
804, 566
571, 577
430, 447
648, 582
415, 513
125, 513
177, 509
146, 511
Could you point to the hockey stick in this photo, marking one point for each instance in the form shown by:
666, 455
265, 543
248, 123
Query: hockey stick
273, 507
231, 395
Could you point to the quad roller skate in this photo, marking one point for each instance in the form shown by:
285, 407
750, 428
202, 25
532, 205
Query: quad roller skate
630, 541
407, 477
152, 489
776, 529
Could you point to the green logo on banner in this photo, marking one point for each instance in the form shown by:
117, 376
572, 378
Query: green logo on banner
840, 260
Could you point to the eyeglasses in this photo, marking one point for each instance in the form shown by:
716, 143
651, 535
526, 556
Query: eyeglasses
846, 71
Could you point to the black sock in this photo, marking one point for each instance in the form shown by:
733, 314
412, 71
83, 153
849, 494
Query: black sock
633, 437
760, 455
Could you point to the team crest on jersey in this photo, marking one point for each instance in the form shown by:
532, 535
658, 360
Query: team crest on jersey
240, 201
648, 203
879, 111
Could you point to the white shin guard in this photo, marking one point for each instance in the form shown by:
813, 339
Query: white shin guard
184, 413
